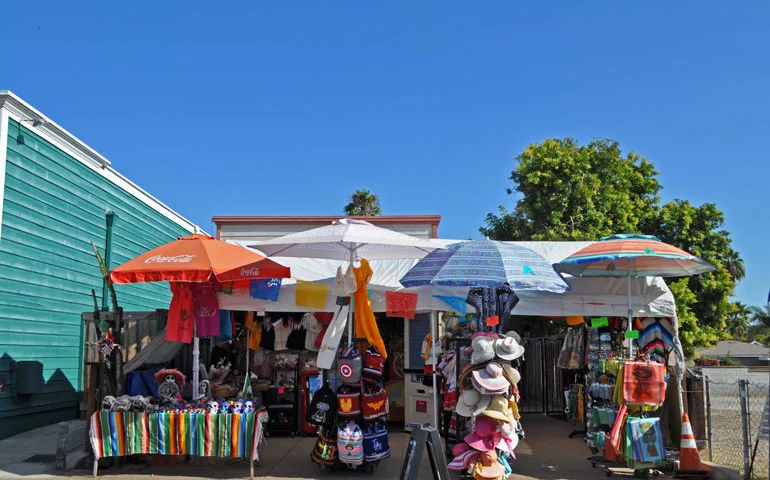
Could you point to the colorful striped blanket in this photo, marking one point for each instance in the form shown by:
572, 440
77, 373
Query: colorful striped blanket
117, 434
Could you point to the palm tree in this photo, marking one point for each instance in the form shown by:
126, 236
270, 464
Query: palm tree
363, 203
734, 265
738, 321
761, 316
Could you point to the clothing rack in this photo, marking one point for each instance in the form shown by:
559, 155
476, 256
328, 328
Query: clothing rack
456, 344
580, 379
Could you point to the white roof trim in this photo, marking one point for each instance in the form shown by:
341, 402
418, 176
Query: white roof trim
18, 109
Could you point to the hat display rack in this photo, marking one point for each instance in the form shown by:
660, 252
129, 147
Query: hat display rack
487, 401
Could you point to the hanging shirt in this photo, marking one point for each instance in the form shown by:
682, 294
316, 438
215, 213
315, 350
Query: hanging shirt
297, 336
255, 331
312, 329
281, 334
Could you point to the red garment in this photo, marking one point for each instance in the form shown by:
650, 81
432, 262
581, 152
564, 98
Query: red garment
206, 311
181, 313
324, 318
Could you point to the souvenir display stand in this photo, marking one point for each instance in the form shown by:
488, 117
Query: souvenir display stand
225, 435
624, 395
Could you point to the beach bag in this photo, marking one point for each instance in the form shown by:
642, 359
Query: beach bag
350, 445
344, 285
349, 366
644, 383
612, 443
644, 442
348, 402
376, 446
374, 401
374, 363
325, 449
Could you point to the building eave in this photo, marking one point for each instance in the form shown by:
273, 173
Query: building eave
321, 219
52, 132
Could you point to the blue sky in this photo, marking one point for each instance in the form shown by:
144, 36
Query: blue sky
287, 107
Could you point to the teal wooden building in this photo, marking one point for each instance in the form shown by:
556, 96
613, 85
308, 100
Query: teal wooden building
57, 195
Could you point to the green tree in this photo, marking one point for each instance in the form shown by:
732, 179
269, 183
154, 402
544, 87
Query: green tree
760, 316
567, 191
363, 203
699, 230
573, 192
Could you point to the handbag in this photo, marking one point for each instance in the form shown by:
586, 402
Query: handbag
344, 284
612, 443
350, 444
644, 383
376, 446
374, 401
325, 449
374, 363
349, 365
348, 402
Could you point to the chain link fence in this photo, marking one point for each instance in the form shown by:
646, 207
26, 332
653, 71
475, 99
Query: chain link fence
734, 413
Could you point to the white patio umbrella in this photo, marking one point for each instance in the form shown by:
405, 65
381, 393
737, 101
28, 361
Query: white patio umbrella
347, 239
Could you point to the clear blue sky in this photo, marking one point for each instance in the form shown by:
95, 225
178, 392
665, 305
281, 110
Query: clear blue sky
273, 107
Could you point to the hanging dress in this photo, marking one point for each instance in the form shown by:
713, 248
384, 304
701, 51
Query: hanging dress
181, 313
206, 311
366, 325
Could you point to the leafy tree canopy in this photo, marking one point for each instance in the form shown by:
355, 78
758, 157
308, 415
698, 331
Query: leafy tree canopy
363, 203
567, 191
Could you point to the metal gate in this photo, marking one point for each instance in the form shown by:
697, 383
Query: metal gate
542, 383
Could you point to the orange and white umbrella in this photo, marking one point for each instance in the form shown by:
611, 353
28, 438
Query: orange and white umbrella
198, 258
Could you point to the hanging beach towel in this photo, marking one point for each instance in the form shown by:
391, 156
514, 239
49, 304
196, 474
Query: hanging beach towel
327, 353
311, 294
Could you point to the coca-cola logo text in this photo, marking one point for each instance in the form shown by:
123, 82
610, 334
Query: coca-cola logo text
250, 271
173, 259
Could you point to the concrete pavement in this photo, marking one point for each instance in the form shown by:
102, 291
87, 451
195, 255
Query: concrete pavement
547, 453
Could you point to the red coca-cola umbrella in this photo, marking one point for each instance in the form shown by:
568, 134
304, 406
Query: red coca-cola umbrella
198, 258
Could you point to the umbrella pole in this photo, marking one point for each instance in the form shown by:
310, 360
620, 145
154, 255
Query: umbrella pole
350, 320
196, 362
248, 354
433, 318
630, 313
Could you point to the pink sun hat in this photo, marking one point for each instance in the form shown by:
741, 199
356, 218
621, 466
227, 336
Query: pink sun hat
485, 436
464, 456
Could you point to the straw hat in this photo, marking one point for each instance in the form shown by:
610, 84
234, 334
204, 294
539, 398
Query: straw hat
511, 374
498, 409
483, 444
508, 348
471, 402
488, 468
483, 350
490, 380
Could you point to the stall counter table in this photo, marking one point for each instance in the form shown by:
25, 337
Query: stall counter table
231, 435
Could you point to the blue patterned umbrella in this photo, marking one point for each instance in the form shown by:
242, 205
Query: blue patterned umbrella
486, 263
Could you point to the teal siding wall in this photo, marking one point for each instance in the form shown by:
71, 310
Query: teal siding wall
54, 207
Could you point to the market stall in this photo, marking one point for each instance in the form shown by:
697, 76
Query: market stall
176, 421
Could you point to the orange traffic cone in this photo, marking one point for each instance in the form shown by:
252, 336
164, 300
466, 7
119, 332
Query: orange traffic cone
690, 465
